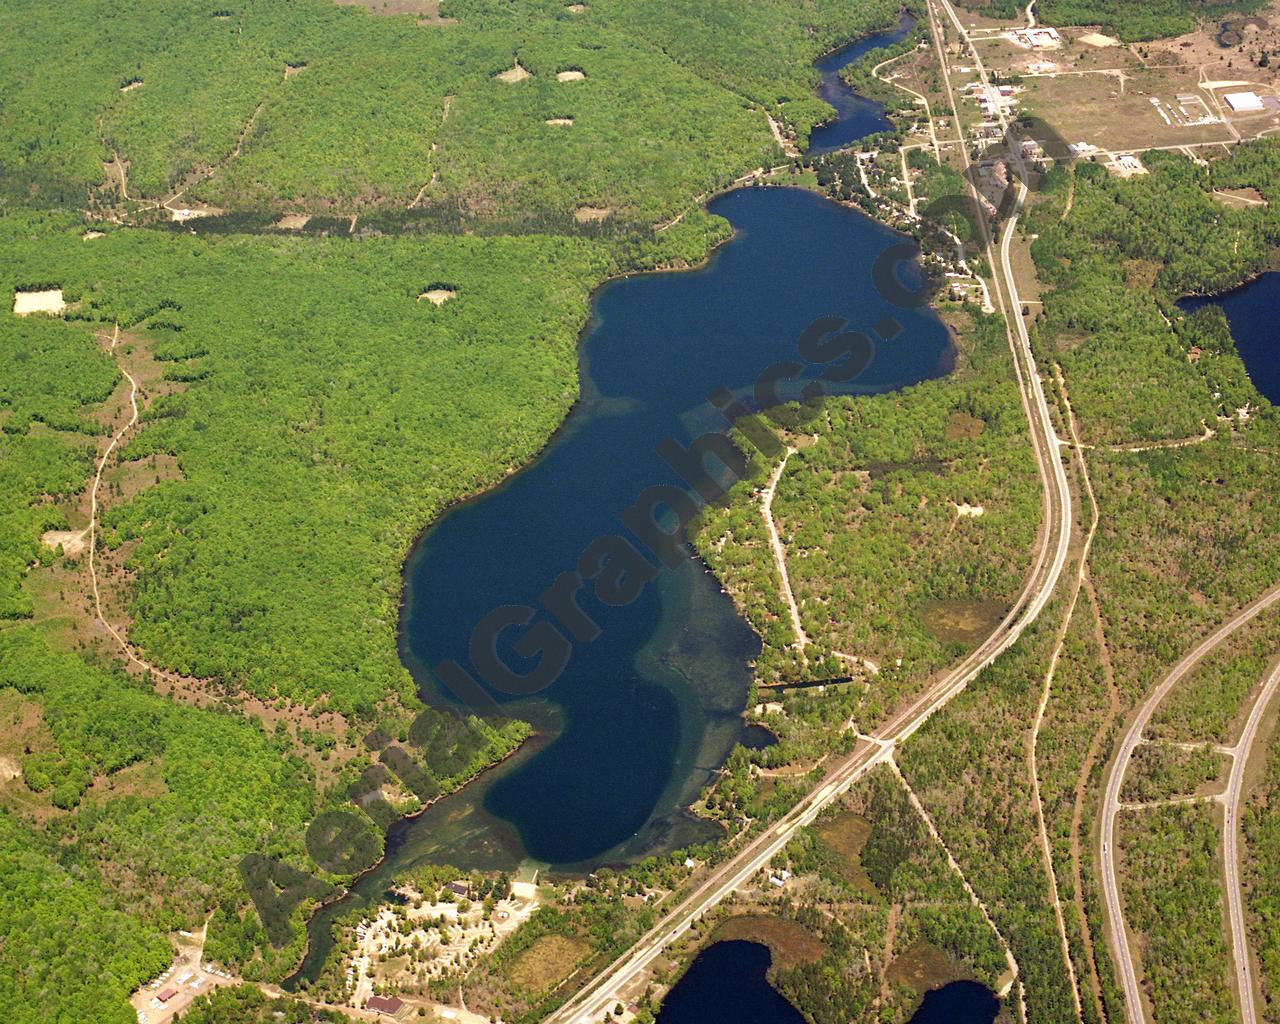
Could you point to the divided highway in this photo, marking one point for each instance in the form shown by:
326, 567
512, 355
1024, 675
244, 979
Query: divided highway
1134, 1011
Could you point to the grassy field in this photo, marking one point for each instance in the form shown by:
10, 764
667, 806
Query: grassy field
547, 962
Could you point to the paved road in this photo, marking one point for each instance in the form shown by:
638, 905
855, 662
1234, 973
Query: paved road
1134, 1011
1231, 847
598, 996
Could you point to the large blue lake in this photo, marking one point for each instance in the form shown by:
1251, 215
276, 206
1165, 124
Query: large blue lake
639, 719
1251, 312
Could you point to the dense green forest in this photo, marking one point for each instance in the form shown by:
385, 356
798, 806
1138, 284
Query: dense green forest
307, 439
671, 103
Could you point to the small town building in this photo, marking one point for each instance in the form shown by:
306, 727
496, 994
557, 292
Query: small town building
1243, 102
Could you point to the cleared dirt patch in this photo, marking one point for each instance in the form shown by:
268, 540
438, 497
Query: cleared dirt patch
559, 120
547, 962
130, 86
89, 236
515, 73
1240, 197
73, 542
292, 69
590, 214
571, 75
1098, 39
9, 769
963, 622
47, 301
292, 222
790, 944
966, 511
438, 296
576, 8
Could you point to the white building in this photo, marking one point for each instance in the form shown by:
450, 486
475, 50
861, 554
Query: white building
1243, 102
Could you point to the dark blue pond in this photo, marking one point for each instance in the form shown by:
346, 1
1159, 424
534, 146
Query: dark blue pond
856, 116
726, 984
1253, 311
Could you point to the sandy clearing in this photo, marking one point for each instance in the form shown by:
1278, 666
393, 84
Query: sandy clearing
131, 85
586, 214
559, 120
571, 75
1099, 40
438, 296
967, 511
292, 222
48, 301
576, 8
9, 769
515, 73
72, 541
184, 213
89, 236
1224, 83
292, 69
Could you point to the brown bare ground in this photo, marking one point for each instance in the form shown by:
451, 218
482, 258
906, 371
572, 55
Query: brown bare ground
428, 11
547, 962
587, 214
924, 966
963, 427
790, 944
515, 73
962, 621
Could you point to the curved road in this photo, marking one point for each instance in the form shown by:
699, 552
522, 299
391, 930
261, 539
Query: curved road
1134, 1011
